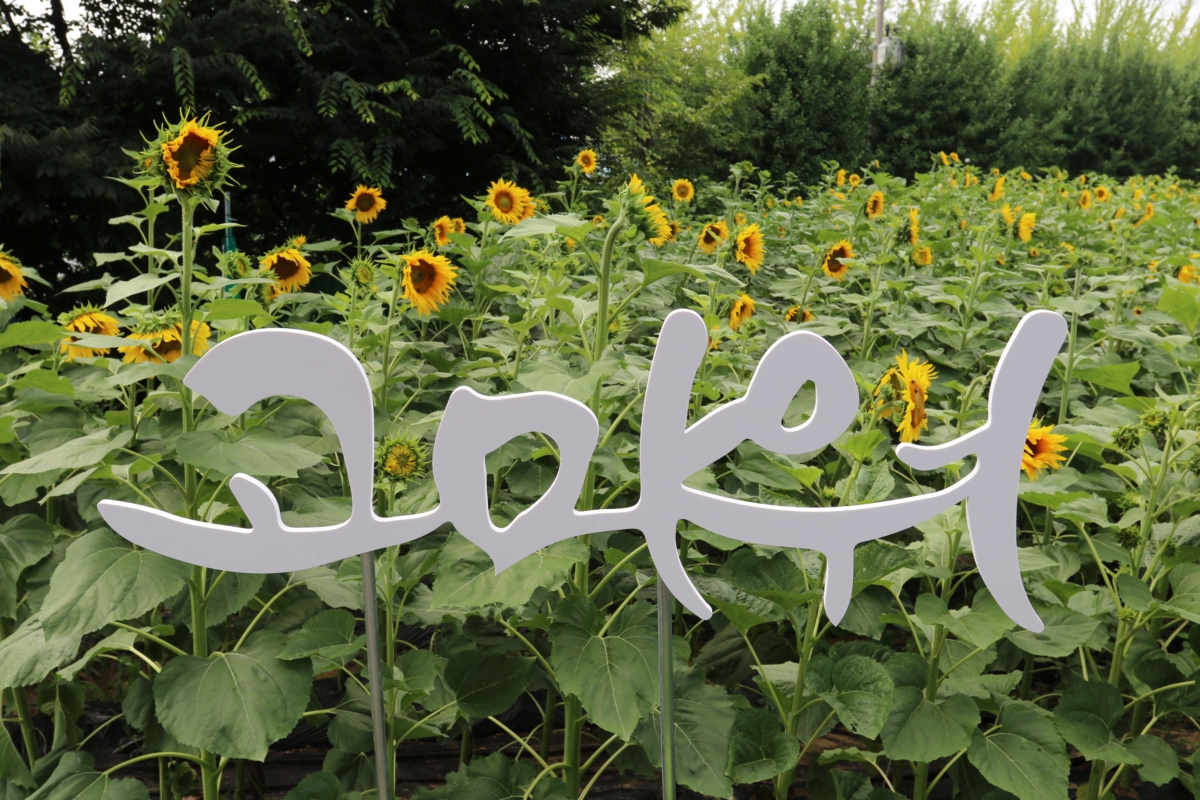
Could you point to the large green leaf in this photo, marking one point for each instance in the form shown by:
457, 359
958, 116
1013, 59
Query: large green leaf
12, 766
776, 578
1024, 757
1110, 376
615, 676
1065, 631
1085, 715
33, 332
1182, 305
466, 576
26, 657
94, 786
86, 451
484, 684
259, 451
234, 704
858, 688
1159, 763
496, 777
984, 625
24, 541
103, 579
329, 635
704, 720
920, 730
759, 748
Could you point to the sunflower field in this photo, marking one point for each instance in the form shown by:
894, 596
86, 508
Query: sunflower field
127, 675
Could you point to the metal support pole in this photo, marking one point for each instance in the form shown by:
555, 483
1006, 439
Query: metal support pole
875, 51
666, 682
375, 675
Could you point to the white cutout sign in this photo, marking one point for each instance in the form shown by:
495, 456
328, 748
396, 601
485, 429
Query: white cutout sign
252, 366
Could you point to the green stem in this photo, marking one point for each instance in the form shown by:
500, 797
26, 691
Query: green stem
26, 723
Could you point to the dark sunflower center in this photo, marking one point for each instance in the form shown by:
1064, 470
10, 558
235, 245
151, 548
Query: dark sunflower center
421, 275
6, 276
189, 153
364, 202
165, 348
504, 201
285, 268
401, 461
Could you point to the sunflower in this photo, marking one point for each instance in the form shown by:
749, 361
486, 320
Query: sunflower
742, 310
427, 281
1034, 252
796, 313
362, 272
12, 280
1085, 199
1120, 212
1070, 248
739, 218
291, 269
1148, 214
1042, 449
922, 256
954, 157
840, 178
166, 339
366, 202
298, 241
235, 264
1006, 213
799, 200
586, 161
598, 221
907, 382
457, 225
683, 191
1187, 274
647, 215
86, 319
711, 236
854, 180
997, 189
1137, 311
910, 227
1025, 176
191, 156
1103, 194
402, 458
874, 204
945, 160
442, 228
833, 264
1025, 226
506, 201
748, 248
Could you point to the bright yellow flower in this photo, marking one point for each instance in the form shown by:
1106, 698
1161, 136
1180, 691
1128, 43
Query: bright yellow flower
12, 280
457, 225
507, 201
1025, 176
191, 155
1006, 213
586, 161
1187, 274
1148, 214
796, 313
840, 178
427, 281
442, 228
166, 340
997, 189
291, 269
954, 157
712, 235
749, 248
366, 202
742, 310
683, 191
855, 180
833, 264
1042, 449
914, 226
1025, 226
922, 256
945, 160
1085, 199
86, 319
1103, 194
874, 205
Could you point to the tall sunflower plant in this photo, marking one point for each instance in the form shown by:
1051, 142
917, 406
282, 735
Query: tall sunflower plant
542, 679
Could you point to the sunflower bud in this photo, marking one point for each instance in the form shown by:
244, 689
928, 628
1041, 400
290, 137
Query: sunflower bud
235, 264
401, 459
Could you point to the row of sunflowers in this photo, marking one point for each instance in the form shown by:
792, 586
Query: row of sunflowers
925, 686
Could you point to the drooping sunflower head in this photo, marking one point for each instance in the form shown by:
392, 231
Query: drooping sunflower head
922, 256
834, 265
188, 156
1025, 226
944, 158
442, 228
741, 310
366, 202
997, 189
909, 231
1103, 194
402, 458
235, 264
749, 249
1006, 214
646, 215
683, 191
676, 229
1085, 199
1042, 448
457, 225
798, 314
12, 279
427, 281
914, 420
1147, 214
288, 266
86, 319
840, 178
954, 158
711, 236
362, 273
506, 201
1025, 176
165, 335
586, 161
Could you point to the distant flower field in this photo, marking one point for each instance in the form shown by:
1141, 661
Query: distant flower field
918, 285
